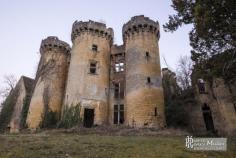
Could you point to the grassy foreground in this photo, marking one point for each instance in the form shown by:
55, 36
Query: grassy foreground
60, 145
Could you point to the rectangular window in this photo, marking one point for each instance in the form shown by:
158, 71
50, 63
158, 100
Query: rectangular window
201, 86
155, 112
119, 90
119, 114
93, 67
147, 55
116, 90
148, 80
119, 67
95, 47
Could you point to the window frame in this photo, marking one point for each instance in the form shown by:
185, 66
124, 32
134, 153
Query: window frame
119, 117
119, 67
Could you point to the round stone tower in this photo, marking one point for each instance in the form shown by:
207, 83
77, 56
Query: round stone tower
88, 76
144, 92
50, 82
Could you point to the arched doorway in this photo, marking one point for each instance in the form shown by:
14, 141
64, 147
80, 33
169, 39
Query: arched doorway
206, 111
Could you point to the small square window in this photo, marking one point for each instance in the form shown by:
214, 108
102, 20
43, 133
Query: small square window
95, 47
119, 67
93, 67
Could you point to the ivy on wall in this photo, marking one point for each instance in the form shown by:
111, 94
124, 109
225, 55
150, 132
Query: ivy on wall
24, 111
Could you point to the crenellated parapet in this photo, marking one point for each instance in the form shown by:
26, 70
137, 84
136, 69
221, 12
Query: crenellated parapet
53, 43
139, 24
91, 27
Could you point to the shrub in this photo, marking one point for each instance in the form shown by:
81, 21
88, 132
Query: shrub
70, 117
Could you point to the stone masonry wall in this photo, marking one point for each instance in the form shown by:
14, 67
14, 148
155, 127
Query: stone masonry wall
82, 86
144, 101
50, 84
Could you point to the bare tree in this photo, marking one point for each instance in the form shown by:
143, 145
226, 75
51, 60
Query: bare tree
9, 82
184, 71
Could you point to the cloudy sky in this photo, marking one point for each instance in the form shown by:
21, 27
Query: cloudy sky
24, 23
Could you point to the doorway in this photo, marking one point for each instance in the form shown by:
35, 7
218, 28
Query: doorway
208, 118
88, 117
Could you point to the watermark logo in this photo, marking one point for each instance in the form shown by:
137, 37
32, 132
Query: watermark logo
216, 144
189, 142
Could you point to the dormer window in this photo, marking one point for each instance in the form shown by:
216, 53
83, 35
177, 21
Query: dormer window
94, 48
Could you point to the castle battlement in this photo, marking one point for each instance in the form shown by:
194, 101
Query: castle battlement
139, 24
92, 27
53, 42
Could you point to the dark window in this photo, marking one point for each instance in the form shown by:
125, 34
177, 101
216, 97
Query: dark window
93, 67
155, 111
118, 114
235, 107
95, 47
119, 67
117, 89
148, 80
147, 55
201, 86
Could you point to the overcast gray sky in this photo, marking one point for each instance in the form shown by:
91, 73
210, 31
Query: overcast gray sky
24, 23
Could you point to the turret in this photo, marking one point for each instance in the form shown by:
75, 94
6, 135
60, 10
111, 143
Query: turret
88, 77
50, 83
144, 93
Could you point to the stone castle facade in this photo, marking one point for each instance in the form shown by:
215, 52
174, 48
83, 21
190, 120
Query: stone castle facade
116, 85
113, 84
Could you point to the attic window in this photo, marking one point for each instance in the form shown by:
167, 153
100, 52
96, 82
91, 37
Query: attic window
94, 47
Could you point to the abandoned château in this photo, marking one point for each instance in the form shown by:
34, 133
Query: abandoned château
115, 85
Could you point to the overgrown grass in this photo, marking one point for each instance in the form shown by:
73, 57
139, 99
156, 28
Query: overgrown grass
94, 146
